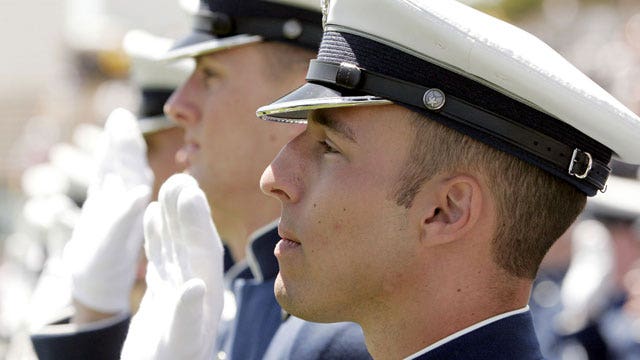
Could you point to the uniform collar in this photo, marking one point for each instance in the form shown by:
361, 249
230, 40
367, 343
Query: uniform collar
482, 338
260, 258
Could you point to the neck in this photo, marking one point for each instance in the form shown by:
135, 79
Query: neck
237, 220
419, 315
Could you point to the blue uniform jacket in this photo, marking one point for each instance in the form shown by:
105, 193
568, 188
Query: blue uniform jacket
258, 331
510, 338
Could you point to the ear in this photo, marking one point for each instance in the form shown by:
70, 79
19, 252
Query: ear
454, 211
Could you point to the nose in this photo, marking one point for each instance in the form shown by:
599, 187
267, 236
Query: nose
182, 105
283, 178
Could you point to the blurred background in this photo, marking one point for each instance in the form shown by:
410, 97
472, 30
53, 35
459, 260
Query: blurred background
63, 70
63, 65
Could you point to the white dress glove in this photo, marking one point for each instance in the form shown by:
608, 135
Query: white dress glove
103, 252
179, 314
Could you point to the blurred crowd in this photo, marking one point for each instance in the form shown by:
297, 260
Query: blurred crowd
586, 300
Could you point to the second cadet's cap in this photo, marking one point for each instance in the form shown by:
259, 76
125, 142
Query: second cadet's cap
473, 73
224, 24
155, 80
622, 199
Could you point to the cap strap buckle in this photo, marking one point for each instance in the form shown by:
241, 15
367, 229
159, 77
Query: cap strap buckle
579, 157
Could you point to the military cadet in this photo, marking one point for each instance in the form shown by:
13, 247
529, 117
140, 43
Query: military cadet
103, 254
444, 152
247, 53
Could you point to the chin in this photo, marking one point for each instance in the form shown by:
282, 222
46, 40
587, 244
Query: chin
287, 301
196, 172
300, 306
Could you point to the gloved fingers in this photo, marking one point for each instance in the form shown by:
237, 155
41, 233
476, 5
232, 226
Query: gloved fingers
200, 236
122, 232
124, 150
168, 196
174, 244
186, 336
115, 128
124, 136
189, 307
153, 237
140, 195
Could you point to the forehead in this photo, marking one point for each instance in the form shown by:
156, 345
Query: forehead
387, 126
237, 57
361, 118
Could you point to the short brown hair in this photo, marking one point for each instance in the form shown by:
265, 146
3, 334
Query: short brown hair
533, 207
285, 58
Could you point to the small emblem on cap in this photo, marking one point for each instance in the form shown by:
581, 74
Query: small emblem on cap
325, 12
292, 29
434, 99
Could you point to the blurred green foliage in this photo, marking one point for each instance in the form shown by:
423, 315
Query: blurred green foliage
516, 9
508, 9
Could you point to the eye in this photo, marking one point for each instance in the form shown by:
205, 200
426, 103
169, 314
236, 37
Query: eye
209, 75
327, 147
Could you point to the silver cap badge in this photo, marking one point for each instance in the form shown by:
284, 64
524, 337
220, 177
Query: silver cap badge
434, 99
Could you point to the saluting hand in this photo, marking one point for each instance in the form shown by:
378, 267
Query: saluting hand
103, 252
179, 313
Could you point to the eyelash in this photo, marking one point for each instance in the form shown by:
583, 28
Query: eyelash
328, 149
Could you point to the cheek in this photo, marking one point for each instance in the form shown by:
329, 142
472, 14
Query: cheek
342, 220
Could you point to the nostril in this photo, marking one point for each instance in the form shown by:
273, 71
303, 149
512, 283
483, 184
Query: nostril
279, 193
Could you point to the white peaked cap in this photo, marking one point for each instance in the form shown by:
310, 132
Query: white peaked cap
155, 79
474, 73
144, 49
224, 24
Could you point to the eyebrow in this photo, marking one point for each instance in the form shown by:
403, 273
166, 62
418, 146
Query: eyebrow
201, 61
338, 127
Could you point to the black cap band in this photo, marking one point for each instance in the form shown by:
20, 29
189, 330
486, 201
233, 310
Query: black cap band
356, 65
272, 21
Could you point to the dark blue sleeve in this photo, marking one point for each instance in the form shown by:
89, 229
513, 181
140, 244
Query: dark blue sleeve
102, 340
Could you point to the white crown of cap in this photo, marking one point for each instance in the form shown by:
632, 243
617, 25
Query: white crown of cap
144, 49
189, 6
498, 55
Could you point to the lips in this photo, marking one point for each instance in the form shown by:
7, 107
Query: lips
286, 247
287, 236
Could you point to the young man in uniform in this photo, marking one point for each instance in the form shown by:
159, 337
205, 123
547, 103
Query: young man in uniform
445, 151
248, 52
